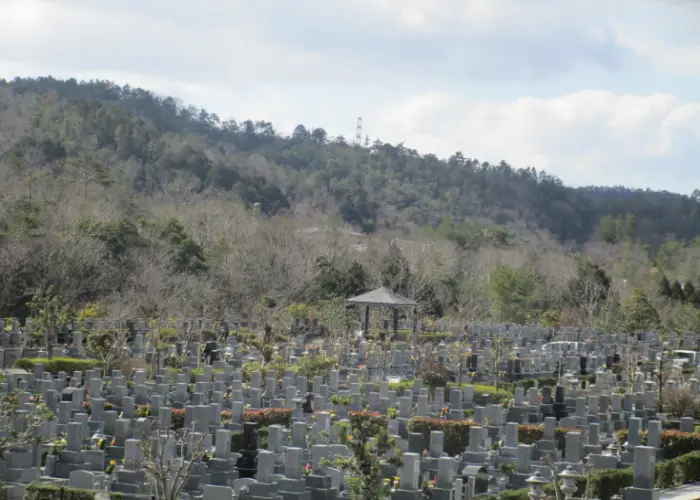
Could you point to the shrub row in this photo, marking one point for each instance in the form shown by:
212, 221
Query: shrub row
668, 474
673, 443
87, 405
357, 417
548, 381
497, 395
55, 365
530, 434
264, 418
456, 432
44, 491
606, 484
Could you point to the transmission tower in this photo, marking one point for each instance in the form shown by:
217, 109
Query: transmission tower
358, 132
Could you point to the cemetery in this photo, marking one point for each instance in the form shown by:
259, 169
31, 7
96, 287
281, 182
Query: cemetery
205, 409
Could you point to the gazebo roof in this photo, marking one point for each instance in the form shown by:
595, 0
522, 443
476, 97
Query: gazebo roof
382, 297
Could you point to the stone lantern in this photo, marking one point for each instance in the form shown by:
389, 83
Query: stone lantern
536, 482
569, 477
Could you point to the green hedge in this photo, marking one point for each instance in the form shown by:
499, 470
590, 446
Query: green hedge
668, 474
456, 432
673, 443
55, 365
173, 372
498, 395
44, 491
606, 484
547, 382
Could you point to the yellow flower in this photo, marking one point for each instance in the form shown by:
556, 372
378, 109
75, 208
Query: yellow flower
349, 437
112, 462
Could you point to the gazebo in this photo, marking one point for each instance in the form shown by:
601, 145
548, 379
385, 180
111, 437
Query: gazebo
384, 298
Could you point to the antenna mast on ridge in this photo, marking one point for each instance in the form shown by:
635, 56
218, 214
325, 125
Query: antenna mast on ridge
358, 132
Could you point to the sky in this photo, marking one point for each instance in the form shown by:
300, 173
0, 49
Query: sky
603, 92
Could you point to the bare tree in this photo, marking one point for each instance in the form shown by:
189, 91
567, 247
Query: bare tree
169, 474
20, 428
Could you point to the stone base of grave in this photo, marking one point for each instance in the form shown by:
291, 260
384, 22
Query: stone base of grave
517, 480
389, 470
591, 449
633, 493
320, 487
222, 471
474, 457
13, 492
130, 482
68, 462
603, 462
407, 495
441, 494
115, 452
293, 489
508, 451
516, 413
261, 490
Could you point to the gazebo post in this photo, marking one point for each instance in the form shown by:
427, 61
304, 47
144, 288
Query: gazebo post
414, 325
366, 322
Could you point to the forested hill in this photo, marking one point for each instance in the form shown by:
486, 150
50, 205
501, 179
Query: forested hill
105, 132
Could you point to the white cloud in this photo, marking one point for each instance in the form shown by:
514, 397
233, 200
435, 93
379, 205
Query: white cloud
583, 137
683, 60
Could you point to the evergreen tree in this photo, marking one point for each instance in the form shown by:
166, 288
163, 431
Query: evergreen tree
688, 291
639, 314
664, 287
677, 291
694, 299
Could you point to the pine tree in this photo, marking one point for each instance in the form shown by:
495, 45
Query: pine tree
688, 291
677, 292
664, 287
639, 314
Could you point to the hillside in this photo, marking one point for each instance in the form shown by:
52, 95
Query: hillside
117, 201
151, 142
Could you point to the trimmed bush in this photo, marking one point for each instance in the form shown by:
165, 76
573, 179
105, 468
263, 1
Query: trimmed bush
375, 418
236, 441
497, 395
177, 418
87, 405
673, 443
682, 470
269, 416
456, 432
434, 336
530, 434
55, 365
548, 381
44, 491
264, 418
399, 387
